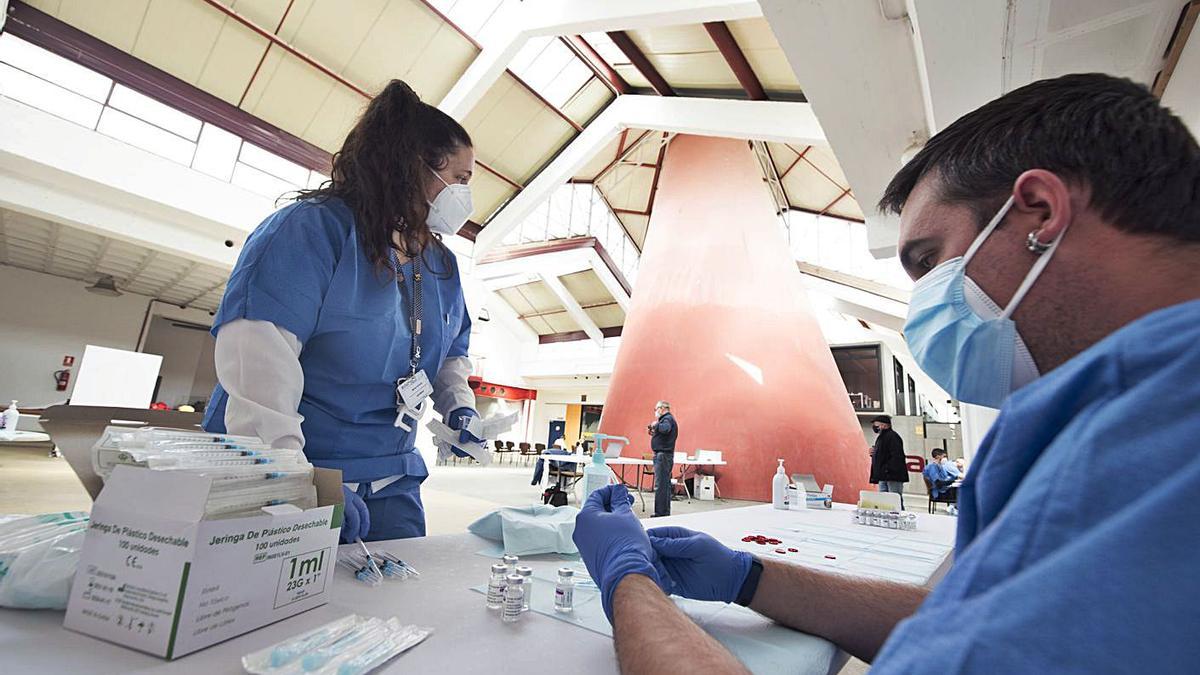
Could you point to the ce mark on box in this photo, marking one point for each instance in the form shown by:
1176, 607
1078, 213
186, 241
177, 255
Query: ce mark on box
302, 576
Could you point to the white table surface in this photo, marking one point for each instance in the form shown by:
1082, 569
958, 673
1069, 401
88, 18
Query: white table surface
467, 637
620, 461
24, 437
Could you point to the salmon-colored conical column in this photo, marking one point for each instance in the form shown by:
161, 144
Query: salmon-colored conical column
721, 328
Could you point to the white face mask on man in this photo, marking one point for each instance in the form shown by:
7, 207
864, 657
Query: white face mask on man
449, 210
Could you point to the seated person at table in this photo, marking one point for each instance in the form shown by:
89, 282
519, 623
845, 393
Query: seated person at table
1088, 186
556, 449
941, 474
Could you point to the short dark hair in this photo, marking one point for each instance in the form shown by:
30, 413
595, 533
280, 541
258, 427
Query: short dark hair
938, 452
1108, 133
881, 418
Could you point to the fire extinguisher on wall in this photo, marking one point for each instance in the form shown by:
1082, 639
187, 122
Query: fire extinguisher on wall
62, 378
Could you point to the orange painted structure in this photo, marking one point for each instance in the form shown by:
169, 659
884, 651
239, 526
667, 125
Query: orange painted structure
722, 328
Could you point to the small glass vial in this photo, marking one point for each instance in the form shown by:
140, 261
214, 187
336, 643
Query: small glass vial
526, 573
893, 520
495, 591
564, 591
510, 561
514, 598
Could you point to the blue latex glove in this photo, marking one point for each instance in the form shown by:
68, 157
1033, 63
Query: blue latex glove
613, 543
700, 567
357, 520
458, 422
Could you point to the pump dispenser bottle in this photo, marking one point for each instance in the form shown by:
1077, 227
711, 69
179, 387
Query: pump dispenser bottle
779, 488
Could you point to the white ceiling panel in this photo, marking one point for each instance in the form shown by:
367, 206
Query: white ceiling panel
44, 246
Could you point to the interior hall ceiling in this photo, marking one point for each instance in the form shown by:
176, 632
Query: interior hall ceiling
1049, 38
320, 61
543, 312
43, 246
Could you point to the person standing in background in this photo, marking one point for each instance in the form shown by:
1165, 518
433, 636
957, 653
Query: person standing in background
887, 458
663, 432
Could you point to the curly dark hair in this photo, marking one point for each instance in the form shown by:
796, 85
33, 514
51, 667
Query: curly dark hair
382, 167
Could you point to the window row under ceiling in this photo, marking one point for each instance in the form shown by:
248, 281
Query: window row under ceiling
77, 94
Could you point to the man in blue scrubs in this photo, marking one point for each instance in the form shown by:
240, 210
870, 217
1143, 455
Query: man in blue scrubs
1087, 186
941, 475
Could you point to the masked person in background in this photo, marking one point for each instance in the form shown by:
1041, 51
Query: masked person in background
889, 468
1054, 235
345, 311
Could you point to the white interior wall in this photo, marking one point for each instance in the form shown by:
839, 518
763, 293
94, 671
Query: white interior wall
46, 318
552, 405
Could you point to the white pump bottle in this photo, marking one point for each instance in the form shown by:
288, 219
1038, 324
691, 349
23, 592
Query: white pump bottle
779, 488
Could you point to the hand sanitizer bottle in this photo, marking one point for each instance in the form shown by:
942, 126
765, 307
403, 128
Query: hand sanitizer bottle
596, 475
779, 488
11, 417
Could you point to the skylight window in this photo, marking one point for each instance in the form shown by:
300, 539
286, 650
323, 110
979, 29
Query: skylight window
53, 68
145, 136
550, 69
148, 110
44, 95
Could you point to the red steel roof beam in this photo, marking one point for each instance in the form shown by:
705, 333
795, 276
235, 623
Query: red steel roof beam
631, 51
590, 57
728, 46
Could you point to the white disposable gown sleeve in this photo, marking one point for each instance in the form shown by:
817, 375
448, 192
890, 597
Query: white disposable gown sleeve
258, 365
450, 388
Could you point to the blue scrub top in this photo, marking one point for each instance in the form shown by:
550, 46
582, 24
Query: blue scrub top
1079, 522
936, 472
304, 270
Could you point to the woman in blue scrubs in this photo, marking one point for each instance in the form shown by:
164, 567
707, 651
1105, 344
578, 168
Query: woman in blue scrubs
345, 311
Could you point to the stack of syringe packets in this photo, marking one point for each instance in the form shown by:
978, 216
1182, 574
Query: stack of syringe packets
246, 473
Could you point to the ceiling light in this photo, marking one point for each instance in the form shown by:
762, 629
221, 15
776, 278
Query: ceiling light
105, 285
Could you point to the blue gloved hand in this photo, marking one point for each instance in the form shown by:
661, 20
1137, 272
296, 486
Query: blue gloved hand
613, 543
700, 567
356, 521
458, 422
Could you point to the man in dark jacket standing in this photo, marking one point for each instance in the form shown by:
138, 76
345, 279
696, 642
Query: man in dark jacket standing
663, 432
888, 467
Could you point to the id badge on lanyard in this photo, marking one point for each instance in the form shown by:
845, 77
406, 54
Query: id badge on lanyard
412, 391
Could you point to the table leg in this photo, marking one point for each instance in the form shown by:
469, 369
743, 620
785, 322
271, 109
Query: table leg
641, 493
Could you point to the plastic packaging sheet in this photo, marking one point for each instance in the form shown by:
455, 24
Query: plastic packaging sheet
529, 530
762, 645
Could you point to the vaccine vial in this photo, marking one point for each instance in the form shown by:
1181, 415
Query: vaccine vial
526, 573
496, 585
510, 561
564, 591
514, 598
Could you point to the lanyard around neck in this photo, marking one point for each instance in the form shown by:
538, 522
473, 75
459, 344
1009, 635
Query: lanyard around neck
414, 311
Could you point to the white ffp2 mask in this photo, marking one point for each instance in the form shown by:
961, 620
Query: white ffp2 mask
449, 211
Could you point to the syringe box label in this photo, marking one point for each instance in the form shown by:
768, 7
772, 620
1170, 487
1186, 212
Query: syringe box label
166, 582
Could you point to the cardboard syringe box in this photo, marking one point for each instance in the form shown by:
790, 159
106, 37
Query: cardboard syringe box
155, 576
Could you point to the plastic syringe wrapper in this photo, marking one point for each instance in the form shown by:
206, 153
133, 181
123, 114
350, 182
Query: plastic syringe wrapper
351, 645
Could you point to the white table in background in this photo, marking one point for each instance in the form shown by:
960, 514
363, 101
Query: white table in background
641, 464
467, 637
24, 437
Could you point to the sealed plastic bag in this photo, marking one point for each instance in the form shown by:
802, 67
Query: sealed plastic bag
38, 559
